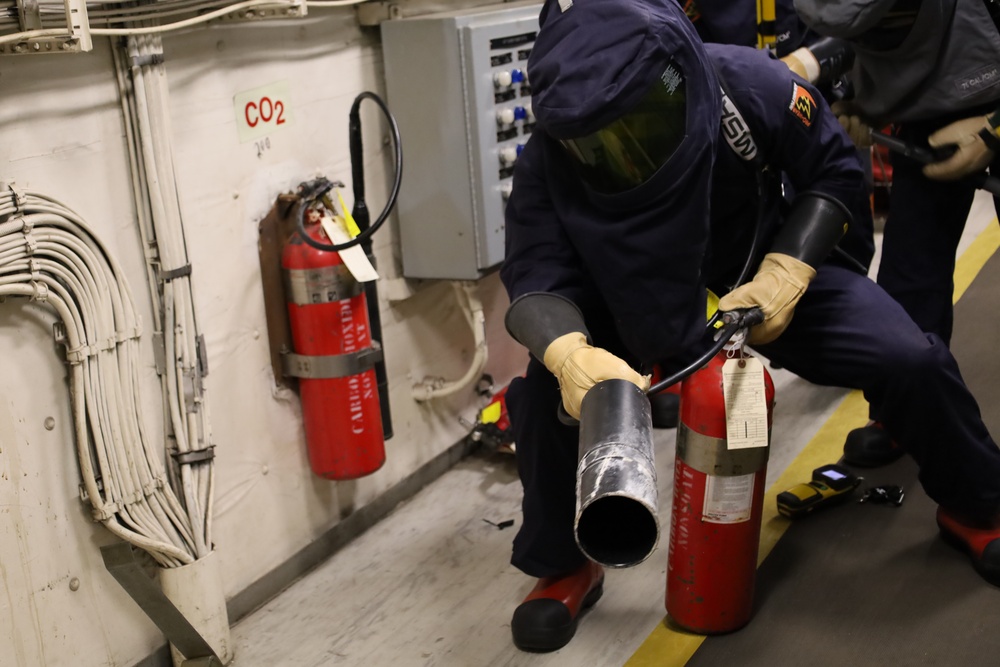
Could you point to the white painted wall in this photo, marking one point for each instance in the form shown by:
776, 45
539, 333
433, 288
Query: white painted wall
62, 134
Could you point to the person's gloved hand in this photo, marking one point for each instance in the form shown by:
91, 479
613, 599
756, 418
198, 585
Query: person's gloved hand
802, 62
856, 128
973, 153
579, 366
777, 287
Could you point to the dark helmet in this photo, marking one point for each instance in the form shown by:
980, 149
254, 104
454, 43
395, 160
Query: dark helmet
621, 84
876, 24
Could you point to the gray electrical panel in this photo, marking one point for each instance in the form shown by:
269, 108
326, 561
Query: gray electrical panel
458, 87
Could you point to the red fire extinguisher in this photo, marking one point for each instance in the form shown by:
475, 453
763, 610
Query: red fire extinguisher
717, 508
333, 357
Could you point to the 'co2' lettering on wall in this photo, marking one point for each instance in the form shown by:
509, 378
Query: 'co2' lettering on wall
262, 111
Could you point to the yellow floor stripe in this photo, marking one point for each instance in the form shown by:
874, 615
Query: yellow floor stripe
668, 646
975, 256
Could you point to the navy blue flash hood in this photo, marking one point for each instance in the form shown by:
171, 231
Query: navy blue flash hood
645, 247
594, 61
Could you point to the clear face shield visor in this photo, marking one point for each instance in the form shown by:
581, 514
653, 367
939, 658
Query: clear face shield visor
628, 151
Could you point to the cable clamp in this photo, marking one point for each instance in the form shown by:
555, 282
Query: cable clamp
176, 273
137, 497
18, 197
150, 488
40, 292
27, 224
105, 512
80, 354
194, 456
36, 269
30, 243
148, 60
128, 334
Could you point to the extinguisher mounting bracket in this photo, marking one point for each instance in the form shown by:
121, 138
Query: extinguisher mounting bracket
331, 365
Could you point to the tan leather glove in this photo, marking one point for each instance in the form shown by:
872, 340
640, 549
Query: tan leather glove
777, 287
856, 128
579, 366
802, 62
972, 155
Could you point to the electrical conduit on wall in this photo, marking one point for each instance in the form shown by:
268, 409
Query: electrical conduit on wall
49, 255
144, 95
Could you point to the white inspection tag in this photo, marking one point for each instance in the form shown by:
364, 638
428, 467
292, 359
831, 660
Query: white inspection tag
354, 257
728, 499
746, 403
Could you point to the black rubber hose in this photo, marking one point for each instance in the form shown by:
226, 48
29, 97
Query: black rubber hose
749, 317
733, 320
317, 189
363, 219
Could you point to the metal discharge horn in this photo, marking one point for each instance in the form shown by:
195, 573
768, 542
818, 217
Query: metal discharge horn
616, 495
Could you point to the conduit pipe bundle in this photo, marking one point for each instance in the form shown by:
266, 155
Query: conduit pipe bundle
196, 589
48, 254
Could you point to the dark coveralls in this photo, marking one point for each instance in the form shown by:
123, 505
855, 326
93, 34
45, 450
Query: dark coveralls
639, 276
728, 22
922, 231
920, 76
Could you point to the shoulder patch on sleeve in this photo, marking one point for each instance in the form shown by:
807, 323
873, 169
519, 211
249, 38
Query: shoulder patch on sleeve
691, 9
802, 106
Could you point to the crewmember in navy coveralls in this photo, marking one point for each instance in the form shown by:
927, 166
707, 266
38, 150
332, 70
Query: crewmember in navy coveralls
728, 22
932, 68
820, 60
628, 202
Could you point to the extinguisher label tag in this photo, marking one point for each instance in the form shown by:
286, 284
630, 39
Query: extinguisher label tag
728, 499
354, 258
746, 403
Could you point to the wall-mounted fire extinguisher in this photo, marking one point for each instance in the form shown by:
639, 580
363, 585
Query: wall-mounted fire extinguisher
717, 509
334, 360
336, 357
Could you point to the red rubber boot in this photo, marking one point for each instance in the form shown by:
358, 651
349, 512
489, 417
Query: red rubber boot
980, 539
546, 619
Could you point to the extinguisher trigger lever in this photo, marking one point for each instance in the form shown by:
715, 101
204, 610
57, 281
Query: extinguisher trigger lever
312, 190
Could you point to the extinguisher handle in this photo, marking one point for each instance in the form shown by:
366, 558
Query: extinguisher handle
732, 321
311, 191
744, 317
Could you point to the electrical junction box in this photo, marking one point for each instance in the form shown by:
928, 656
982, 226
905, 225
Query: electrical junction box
458, 87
